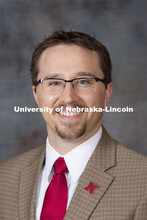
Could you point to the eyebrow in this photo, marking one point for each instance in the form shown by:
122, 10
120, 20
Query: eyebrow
60, 75
85, 74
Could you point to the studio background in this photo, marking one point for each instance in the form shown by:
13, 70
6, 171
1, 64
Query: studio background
119, 25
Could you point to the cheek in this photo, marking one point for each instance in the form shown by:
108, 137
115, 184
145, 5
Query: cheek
88, 99
95, 100
100, 98
47, 101
100, 101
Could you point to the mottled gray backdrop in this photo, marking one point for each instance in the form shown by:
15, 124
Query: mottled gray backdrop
120, 24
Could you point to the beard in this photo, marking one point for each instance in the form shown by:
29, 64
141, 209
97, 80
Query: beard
70, 132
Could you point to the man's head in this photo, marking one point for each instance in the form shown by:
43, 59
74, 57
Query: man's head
77, 38
68, 56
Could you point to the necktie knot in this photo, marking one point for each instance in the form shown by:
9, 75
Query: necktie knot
60, 166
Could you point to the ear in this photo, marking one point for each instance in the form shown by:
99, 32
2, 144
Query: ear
108, 93
35, 94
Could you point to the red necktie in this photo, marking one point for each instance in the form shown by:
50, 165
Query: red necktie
55, 201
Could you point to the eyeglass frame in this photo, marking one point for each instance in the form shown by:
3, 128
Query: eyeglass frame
66, 81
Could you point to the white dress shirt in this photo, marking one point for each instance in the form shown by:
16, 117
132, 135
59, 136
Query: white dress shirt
76, 161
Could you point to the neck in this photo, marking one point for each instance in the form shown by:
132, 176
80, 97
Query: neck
63, 146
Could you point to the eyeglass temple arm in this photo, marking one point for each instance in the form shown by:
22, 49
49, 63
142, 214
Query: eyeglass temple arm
103, 81
36, 83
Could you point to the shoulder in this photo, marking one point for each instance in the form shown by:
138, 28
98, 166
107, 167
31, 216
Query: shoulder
130, 164
126, 155
19, 162
123, 154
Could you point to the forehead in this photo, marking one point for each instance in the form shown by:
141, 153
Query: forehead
69, 59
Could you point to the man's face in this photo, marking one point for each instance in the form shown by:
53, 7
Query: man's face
69, 62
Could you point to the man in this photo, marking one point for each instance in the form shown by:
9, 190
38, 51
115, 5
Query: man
82, 173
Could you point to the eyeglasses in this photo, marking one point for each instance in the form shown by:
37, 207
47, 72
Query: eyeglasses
84, 84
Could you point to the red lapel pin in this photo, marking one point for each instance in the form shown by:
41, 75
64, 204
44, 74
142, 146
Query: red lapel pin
91, 187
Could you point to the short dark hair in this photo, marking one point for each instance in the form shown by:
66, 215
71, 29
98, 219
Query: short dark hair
77, 38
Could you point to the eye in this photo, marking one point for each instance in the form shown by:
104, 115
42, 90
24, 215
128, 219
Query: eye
84, 81
54, 83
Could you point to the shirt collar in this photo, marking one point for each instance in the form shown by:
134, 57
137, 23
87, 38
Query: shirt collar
76, 160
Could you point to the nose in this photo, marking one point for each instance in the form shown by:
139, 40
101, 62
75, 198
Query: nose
68, 95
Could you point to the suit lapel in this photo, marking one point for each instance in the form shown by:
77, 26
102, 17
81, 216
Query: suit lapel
83, 203
28, 186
